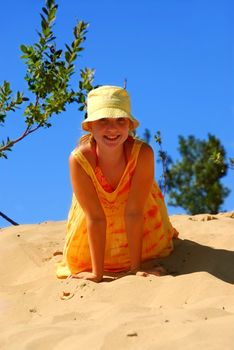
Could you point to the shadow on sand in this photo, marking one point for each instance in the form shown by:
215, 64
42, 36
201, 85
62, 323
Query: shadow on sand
189, 257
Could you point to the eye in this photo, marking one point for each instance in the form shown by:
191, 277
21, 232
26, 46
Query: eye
103, 121
121, 120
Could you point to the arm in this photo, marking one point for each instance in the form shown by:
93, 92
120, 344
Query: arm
134, 212
86, 195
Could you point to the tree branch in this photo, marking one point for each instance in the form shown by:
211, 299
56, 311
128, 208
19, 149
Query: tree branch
26, 133
8, 219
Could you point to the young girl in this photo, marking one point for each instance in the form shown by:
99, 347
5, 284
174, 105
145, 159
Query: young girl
117, 218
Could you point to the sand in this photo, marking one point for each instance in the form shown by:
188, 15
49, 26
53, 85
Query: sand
190, 308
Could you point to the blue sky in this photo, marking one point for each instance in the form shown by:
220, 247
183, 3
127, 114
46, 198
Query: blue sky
177, 57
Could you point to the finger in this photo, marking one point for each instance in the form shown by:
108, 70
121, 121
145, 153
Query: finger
142, 273
155, 273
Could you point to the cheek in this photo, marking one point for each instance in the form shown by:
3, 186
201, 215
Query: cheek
125, 128
95, 128
127, 125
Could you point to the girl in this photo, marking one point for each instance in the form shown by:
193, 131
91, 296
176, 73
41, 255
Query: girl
117, 218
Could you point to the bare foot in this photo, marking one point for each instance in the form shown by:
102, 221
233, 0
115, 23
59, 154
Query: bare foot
87, 276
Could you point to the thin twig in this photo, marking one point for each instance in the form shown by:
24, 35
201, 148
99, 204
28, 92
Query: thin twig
26, 133
8, 219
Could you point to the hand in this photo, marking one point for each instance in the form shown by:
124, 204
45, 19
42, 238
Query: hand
88, 276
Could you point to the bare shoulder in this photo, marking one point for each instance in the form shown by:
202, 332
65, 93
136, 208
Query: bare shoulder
84, 188
128, 147
84, 148
87, 152
145, 163
142, 180
146, 153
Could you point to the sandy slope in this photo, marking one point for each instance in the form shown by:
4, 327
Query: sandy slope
191, 308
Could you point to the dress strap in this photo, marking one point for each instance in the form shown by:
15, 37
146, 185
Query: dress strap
96, 174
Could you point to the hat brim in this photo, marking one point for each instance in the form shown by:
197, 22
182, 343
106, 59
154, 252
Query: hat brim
109, 113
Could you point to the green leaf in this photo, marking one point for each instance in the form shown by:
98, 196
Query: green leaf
2, 117
49, 3
73, 57
45, 10
44, 26
51, 15
49, 39
67, 56
59, 53
43, 18
24, 48
46, 31
68, 48
82, 98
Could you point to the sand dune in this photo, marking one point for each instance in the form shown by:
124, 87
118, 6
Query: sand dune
190, 308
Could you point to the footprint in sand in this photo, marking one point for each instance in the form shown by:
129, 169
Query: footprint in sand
70, 288
57, 252
66, 295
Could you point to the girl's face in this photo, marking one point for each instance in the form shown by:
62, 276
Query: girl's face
110, 132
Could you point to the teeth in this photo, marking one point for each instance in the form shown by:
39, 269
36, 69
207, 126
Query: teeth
112, 137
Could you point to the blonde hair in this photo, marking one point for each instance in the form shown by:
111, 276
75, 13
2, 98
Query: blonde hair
85, 139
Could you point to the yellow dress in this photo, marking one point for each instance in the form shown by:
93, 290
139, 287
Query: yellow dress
157, 235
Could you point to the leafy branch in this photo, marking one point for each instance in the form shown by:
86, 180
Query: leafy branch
48, 74
165, 159
218, 159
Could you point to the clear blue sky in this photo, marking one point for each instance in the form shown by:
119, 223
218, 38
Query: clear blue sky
177, 56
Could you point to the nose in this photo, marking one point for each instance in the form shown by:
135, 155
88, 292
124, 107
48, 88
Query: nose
111, 125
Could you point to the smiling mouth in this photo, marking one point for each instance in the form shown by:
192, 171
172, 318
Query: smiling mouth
112, 138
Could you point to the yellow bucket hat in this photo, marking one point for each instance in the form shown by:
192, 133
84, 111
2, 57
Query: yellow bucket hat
108, 102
